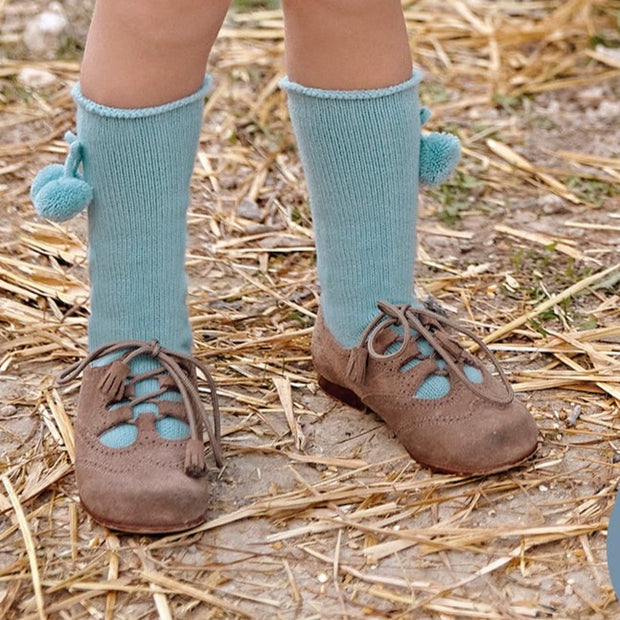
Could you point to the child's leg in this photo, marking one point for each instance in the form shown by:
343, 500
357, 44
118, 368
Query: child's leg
143, 59
139, 451
354, 107
346, 44
360, 151
143, 53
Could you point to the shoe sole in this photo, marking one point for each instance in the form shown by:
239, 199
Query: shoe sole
137, 529
352, 399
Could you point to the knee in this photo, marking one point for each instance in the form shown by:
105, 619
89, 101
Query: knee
163, 22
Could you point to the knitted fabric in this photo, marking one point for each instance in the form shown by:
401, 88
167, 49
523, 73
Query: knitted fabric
139, 164
360, 152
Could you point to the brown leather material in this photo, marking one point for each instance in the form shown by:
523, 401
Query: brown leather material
154, 485
477, 428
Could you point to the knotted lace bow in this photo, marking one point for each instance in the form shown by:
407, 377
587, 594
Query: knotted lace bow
431, 327
171, 363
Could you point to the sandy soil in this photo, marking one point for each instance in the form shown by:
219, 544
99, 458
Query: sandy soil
342, 524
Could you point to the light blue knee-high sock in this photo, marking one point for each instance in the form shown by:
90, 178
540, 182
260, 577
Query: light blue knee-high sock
138, 165
361, 155
360, 152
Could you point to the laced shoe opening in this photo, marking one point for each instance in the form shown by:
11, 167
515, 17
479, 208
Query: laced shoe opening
143, 373
435, 385
124, 434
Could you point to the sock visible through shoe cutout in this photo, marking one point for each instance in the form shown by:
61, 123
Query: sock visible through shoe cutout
434, 386
123, 435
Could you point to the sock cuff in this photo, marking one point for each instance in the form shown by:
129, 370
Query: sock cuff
373, 93
127, 113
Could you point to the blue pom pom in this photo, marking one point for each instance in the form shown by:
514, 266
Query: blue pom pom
62, 198
52, 172
59, 192
439, 155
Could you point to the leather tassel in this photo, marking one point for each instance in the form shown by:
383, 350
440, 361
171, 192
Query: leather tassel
113, 382
356, 366
195, 464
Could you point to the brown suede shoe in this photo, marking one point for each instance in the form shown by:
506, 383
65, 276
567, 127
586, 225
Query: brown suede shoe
154, 485
476, 428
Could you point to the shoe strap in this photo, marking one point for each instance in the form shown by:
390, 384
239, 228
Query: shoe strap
174, 363
432, 327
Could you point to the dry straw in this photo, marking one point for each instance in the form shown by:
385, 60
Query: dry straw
319, 513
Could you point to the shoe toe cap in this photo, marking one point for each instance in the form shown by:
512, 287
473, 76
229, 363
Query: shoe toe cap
490, 439
143, 498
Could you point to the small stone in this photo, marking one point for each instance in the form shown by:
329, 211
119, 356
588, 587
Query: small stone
8, 410
552, 204
249, 210
609, 109
43, 33
595, 94
35, 78
511, 282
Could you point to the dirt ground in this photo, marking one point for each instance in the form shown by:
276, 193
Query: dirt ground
318, 512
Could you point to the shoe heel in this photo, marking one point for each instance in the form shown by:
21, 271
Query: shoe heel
346, 396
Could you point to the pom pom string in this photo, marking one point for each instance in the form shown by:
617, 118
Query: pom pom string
74, 157
425, 115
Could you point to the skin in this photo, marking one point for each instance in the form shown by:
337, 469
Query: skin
346, 44
143, 53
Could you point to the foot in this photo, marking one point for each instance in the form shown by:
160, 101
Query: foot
153, 484
446, 408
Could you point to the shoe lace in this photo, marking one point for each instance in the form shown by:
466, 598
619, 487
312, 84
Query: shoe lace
432, 327
175, 365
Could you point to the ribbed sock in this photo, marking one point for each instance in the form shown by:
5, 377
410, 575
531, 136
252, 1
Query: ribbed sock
360, 152
361, 156
139, 164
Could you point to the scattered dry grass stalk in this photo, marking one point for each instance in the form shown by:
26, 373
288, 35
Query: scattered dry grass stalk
342, 527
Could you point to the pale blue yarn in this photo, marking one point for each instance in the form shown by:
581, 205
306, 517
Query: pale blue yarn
139, 163
439, 155
50, 173
59, 192
61, 198
434, 386
361, 155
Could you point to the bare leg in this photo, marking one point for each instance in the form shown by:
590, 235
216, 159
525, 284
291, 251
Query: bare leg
346, 44
147, 52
